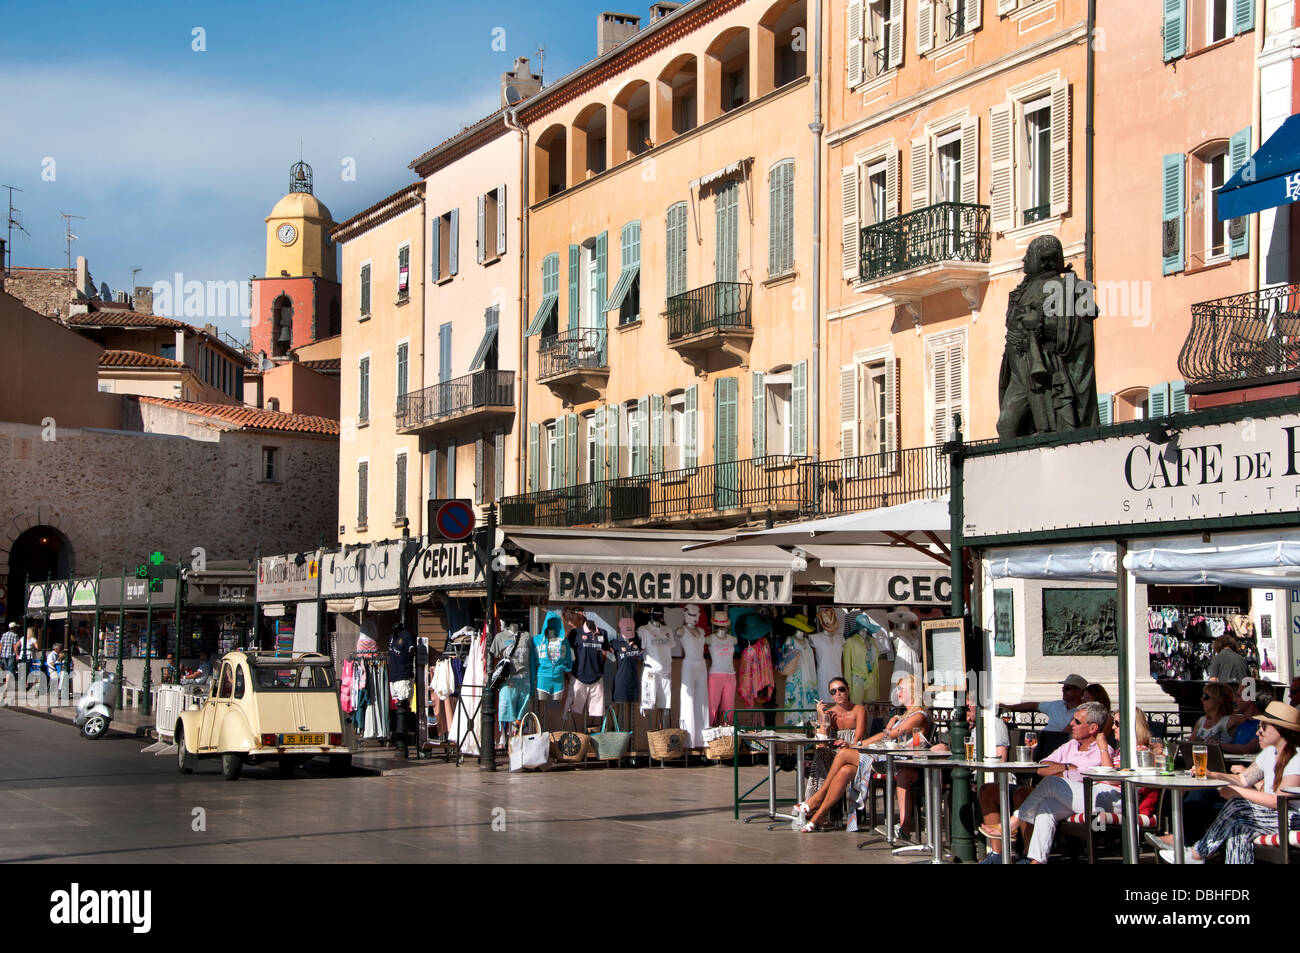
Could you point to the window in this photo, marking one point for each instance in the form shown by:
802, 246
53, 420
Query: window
955, 17
403, 364
884, 40
637, 432
948, 185
445, 236
487, 467
1216, 21
945, 366
546, 319
363, 389
1214, 171
365, 290
876, 193
227, 682
363, 492
675, 432
492, 225
868, 196
239, 682
626, 296
168, 351
780, 247
1029, 153
271, 464
554, 454
593, 469
726, 251
399, 481
1037, 150
404, 273
1195, 236
1195, 24
777, 409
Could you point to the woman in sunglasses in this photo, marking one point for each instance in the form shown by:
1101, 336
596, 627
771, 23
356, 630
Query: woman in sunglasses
852, 767
1217, 699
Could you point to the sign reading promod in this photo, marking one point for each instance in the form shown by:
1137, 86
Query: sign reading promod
1242, 468
732, 586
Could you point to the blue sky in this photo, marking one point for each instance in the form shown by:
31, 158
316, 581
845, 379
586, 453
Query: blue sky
175, 156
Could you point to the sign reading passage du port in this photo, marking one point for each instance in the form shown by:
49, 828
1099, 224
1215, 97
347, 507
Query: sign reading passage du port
453, 520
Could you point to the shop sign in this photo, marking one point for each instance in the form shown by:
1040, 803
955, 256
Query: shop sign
1244, 468
372, 570
142, 592
230, 593
709, 584
58, 598
439, 565
35, 597
883, 587
83, 593
293, 577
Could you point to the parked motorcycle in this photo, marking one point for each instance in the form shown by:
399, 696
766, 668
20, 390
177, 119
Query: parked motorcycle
95, 709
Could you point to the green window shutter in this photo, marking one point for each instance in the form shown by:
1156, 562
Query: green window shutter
598, 422
780, 239
501, 219
1243, 16
643, 437
1239, 228
656, 434
1105, 403
725, 246
1172, 219
1178, 397
574, 475
365, 290
1157, 401
774, 220
561, 456
602, 254
676, 264
691, 456
724, 419
1175, 29
480, 246
799, 410
612, 439
575, 303
758, 415
453, 252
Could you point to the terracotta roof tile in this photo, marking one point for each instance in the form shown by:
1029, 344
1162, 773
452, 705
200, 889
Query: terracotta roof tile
135, 359
250, 418
123, 319
324, 364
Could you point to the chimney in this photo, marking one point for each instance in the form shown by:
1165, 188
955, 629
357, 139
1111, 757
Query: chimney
519, 83
142, 299
120, 297
614, 28
84, 285
660, 10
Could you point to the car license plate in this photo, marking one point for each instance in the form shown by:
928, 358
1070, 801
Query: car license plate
302, 739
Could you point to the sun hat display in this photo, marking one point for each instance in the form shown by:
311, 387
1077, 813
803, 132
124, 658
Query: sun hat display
828, 617
720, 617
799, 621
749, 625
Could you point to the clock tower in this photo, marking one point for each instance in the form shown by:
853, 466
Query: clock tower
297, 301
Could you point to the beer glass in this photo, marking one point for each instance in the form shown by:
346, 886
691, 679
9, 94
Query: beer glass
970, 749
1200, 754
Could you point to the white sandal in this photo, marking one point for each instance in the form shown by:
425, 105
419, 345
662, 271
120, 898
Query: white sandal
809, 828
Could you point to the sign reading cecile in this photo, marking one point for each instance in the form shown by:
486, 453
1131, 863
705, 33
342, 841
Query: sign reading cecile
1246, 467
733, 586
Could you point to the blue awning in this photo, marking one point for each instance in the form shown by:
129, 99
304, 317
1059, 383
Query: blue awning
1269, 179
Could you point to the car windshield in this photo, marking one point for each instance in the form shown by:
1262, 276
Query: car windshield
296, 678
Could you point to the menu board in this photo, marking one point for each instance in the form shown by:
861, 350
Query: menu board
943, 660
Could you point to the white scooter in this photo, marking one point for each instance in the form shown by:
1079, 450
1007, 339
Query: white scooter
95, 709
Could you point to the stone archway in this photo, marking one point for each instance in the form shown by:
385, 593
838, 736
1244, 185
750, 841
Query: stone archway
36, 554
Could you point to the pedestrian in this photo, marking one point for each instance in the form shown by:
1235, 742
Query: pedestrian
9, 648
29, 659
54, 670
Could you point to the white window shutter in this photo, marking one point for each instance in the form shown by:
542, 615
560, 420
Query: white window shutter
435, 237
758, 415
453, 252
891, 184
611, 440
1007, 6
853, 43
972, 15
849, 411
480, 251
558, 477
534, 457
501, 219
451, 469
896, 33
1060, 192
849, 221
799, 409
890, 423
939, 392
1002, 168
924, 26
970, 161
690, 451
656, 434
956, 382
920, 196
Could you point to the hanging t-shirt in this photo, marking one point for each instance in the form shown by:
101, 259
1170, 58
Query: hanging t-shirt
401, 656
589, 654
627, 677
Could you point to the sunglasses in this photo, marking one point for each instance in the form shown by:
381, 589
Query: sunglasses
839, 691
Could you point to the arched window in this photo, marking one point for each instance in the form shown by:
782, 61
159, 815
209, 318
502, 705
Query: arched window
281, 326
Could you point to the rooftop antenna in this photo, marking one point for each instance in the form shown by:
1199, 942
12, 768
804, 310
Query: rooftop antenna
541, 62
67, 225
15, 219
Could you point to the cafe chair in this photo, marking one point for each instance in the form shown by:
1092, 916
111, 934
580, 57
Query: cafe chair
1276, 848
1083, 827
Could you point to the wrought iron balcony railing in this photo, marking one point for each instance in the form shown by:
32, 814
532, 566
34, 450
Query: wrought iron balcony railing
947, 231
721, 306
873, 481
457, 397
1244, 337
572, 350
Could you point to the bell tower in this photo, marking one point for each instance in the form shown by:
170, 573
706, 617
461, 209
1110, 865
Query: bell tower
297, 231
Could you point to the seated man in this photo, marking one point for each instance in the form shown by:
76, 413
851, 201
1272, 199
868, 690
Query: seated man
1057, 712
203, 675
1244, 725
1060, 793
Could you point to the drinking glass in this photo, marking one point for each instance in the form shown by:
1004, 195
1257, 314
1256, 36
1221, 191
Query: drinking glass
1031, 741
970, 749
916, 737
1200, 753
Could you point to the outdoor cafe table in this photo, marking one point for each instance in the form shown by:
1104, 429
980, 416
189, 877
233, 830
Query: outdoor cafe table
918, 756
770, 739
1176, 784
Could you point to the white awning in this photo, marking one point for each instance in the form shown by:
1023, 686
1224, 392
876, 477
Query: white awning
642, 552
273, 610
874, 557
729, 169
1088, 562
920, 521
383, 603
351, 604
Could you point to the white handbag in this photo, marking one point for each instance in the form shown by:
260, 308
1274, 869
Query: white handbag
527, 751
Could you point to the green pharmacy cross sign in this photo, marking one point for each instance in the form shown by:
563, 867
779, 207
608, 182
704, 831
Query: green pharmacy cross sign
153, 570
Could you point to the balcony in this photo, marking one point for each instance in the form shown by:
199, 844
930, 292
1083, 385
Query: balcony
941, 246
873, 481
714, 318
575, 360
1243, 340
475, 400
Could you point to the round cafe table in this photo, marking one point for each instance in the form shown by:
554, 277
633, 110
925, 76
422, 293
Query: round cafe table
1177, 784
891, 755
1003, 771
770, 739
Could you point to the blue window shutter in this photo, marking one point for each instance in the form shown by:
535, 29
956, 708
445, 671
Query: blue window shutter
691, 456
1172, 218
1238, 155
575, 304
1175, 29
1243, 16
676, 263
758, 415
480, 246
501, 219
451, 470
1157, 401
602, 254
612, 439
1178, 397
799, 410
643, 437
724, 421
1105, 412
444, 352
656, 434
435, 239
571, 450
453, 253
598, 422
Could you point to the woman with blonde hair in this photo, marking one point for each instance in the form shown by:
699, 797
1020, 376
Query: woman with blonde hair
1217, 699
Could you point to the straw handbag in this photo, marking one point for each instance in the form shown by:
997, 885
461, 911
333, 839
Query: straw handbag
669, 744
530, 751
720, 743
611, 745
570, 746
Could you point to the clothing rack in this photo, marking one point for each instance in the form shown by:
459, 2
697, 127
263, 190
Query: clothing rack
1220, 611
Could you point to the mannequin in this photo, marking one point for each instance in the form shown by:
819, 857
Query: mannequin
554, 658
694, 712
628, 654
515, 697
829, 649
401, 673
799, 666
861, 659
906, 629
722, 670
659, 645
586, 696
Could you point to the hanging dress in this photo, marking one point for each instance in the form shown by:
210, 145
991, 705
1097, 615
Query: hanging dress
465, 724
829, 650
800, 680
694, 716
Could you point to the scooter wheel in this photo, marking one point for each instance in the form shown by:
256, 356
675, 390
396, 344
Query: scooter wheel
95, 726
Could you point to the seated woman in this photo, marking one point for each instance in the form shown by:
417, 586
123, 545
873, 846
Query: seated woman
1251, 793
852, 767
1219, 704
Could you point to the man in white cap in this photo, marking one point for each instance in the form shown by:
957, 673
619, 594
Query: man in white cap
8, 641
1059, 713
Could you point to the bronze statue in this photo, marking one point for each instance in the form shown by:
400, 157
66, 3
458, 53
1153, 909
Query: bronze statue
1047, 383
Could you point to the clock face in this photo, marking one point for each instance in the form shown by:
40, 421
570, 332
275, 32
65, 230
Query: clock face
286, 233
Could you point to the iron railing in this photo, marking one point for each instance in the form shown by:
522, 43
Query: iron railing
947, 231
451, 398
1243, 337
1037, 213
772, 482
720, 306
872, 481
575, 349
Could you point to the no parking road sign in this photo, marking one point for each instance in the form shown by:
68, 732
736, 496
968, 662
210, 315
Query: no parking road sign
454, 520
